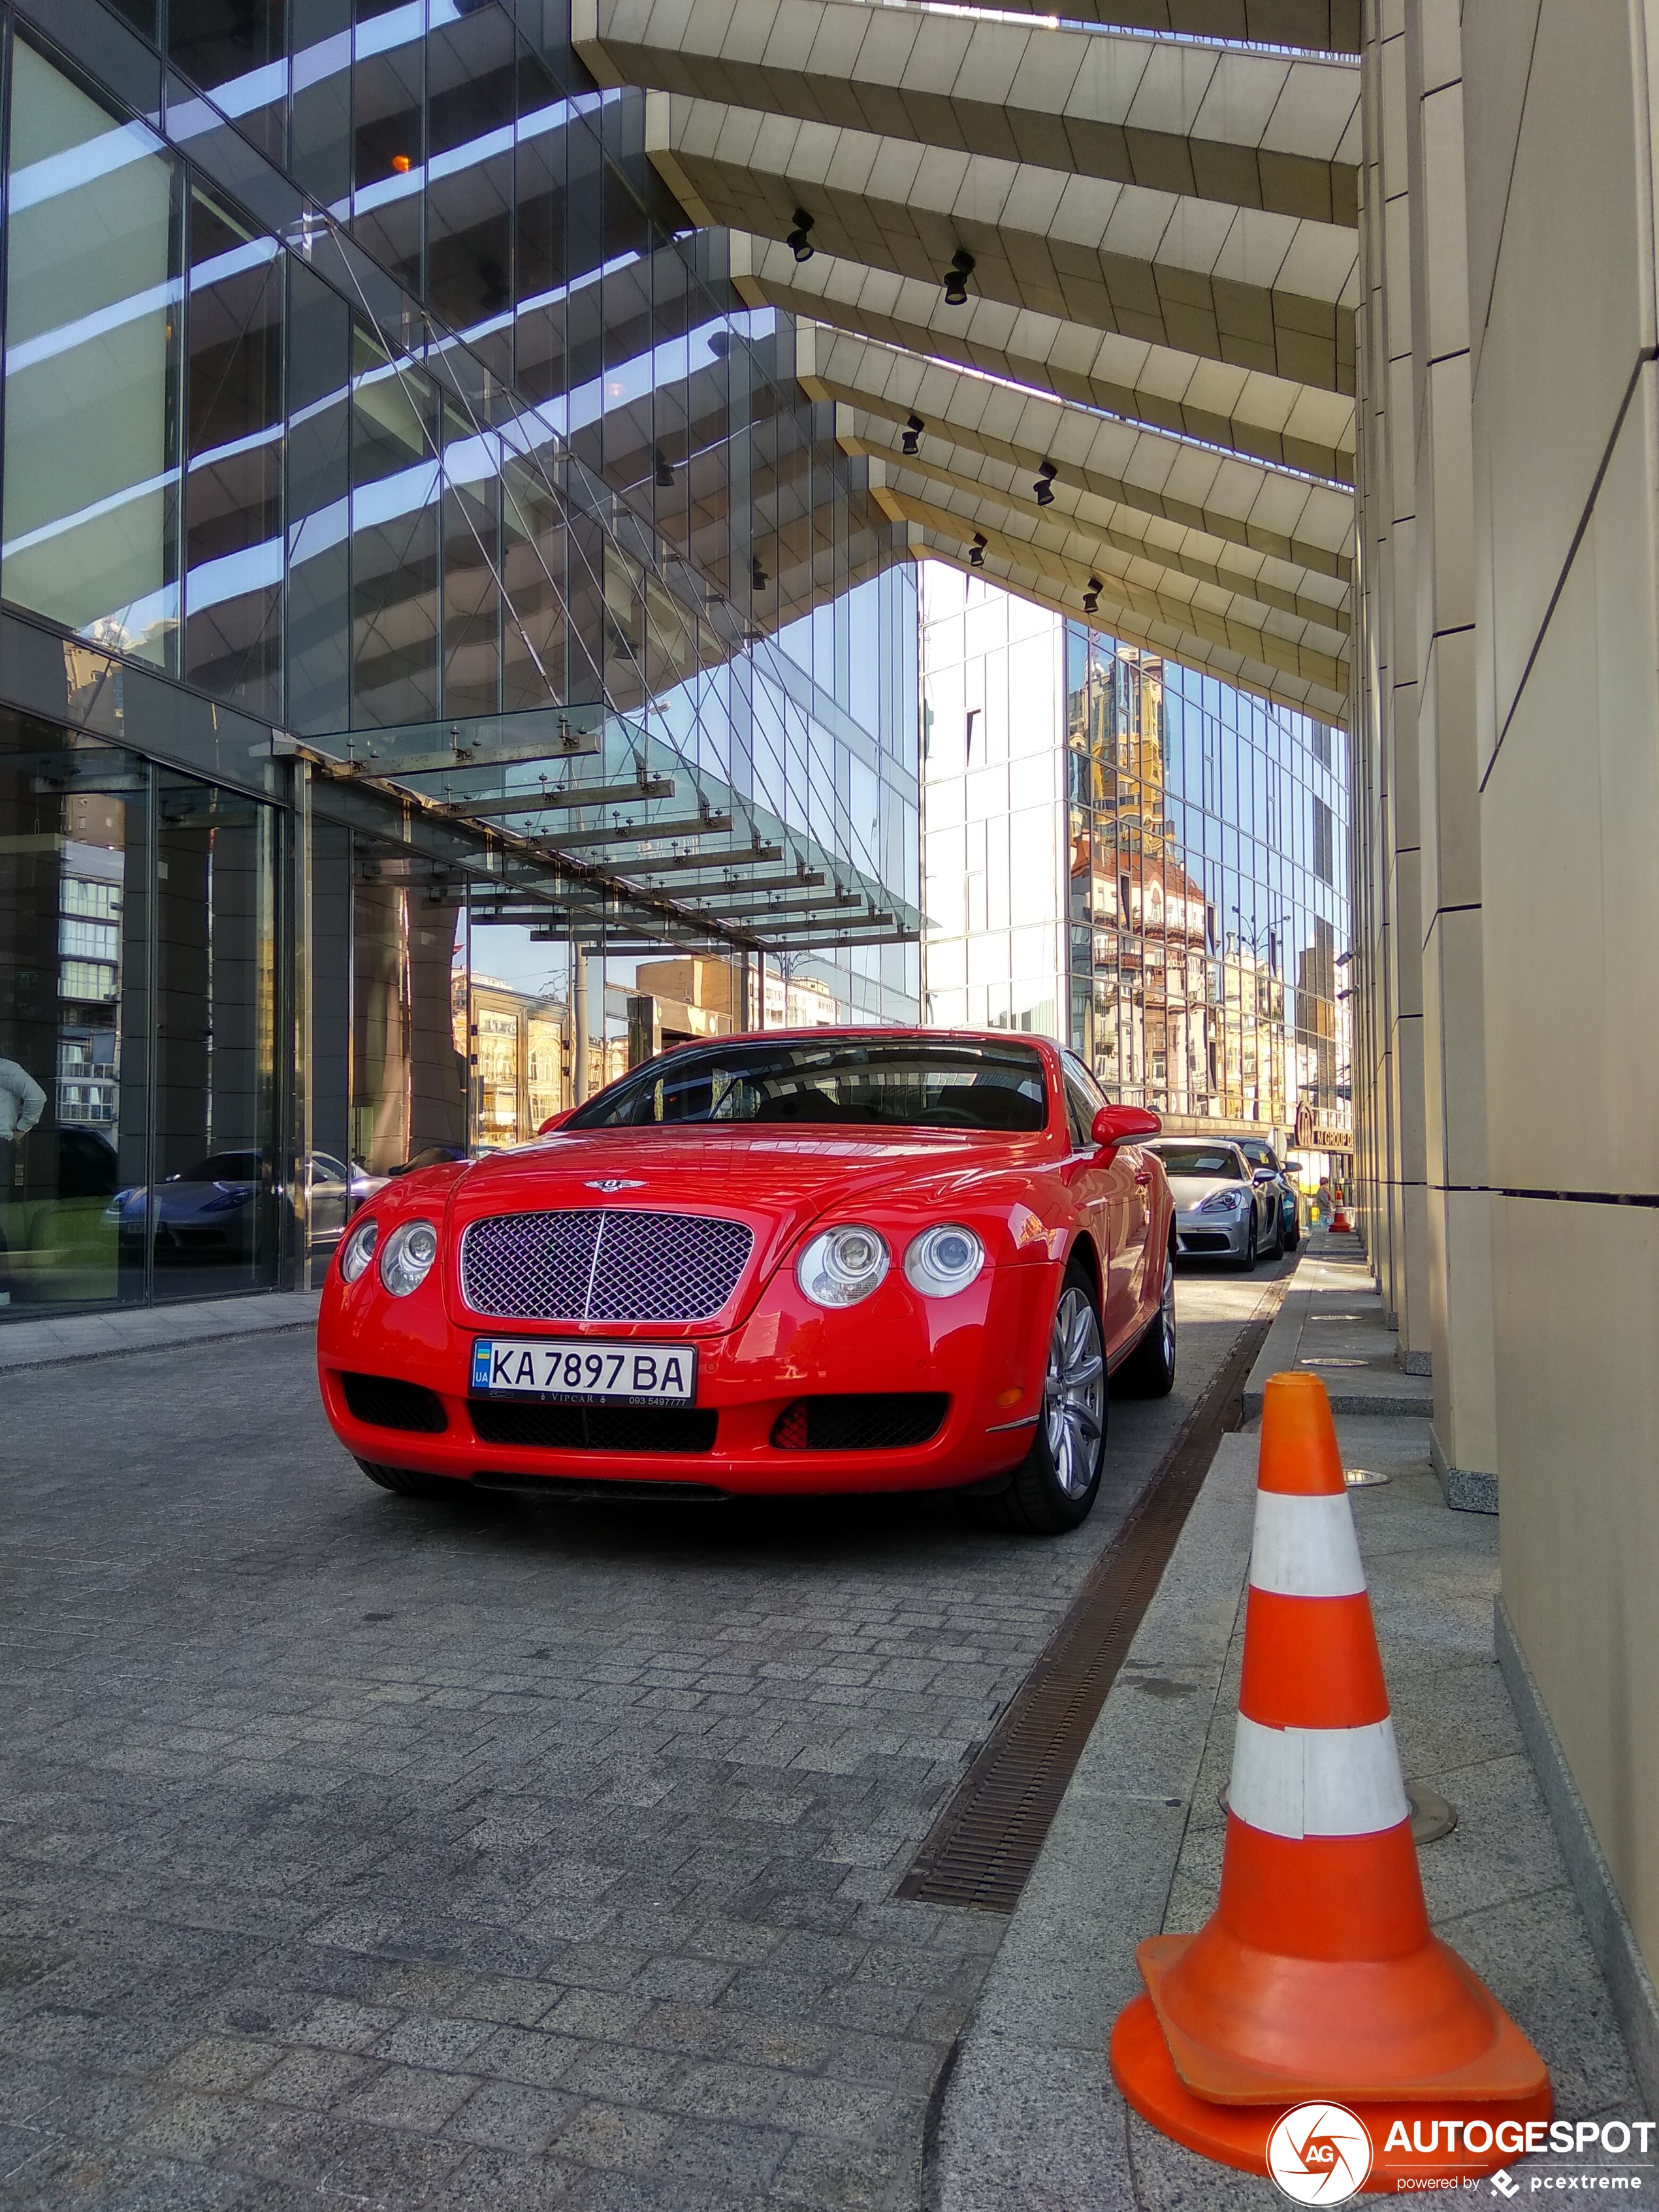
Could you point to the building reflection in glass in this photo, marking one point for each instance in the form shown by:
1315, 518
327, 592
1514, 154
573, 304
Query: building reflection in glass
1134, 857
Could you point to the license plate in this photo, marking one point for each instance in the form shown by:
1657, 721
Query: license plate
540, 1367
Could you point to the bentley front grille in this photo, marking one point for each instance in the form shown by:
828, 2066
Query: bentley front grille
603, 1263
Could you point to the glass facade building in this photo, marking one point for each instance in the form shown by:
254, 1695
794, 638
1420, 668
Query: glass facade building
1136, 858
385, 461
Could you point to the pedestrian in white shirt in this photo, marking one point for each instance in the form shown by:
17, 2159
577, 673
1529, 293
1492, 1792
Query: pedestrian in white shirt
23, 1101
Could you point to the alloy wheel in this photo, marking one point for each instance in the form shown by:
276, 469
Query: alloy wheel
1074, 1392
1166, 1313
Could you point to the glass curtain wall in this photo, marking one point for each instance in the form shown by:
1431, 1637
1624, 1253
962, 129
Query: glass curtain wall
1142, 861
138, 934
359, 377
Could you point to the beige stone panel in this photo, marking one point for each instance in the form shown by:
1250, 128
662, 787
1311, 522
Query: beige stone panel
1445, 288
1455, 959
1625, 551
1415, 1305
1449, 785
1460, 1326
1576, 1320
1440, 43
1545, 949
1572, 238
1569, 831
1407, 903
1243, 91
1450, 554
1499, 38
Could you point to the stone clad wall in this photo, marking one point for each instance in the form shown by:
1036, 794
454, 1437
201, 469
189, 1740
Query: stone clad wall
1565, 421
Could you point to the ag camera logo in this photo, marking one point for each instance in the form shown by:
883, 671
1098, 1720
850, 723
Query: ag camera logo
1320, 2154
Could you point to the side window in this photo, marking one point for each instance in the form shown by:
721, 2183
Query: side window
1083, 1100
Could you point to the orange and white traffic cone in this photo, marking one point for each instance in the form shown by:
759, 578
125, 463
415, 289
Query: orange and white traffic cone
1317, 1976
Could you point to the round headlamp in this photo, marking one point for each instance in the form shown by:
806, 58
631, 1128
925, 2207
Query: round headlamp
842, 1266
407, 1260
359, 1249
943, 1260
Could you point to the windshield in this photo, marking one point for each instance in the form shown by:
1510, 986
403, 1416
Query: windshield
1260, 1154
868, 1082
227, 1167
1219, 1161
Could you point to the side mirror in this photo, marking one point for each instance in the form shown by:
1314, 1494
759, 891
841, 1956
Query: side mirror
1266, 1175
1125, 1125
555, 1122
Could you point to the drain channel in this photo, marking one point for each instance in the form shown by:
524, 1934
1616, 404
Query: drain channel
982, 1847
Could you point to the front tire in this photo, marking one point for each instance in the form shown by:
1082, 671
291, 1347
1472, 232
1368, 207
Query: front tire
1055, 1484
408, 1484
1149, 1370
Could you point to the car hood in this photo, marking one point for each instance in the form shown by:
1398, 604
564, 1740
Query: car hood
1188, 1190
778, 1181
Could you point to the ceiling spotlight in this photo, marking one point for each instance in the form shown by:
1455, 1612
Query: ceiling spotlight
665, 471
1044, 486
1091, 597
976, 551
956, 284
910, 443
798, 242
758, 577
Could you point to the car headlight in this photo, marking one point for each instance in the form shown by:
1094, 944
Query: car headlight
1225, 1201
842, 1266
944, 1261
358, 1250
407, 1259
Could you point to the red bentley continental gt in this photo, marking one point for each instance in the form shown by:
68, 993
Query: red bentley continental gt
844, 1259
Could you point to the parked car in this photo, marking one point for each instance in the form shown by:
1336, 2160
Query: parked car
826, 1260
335, 1190
1221, 1212
215, 1210
1264, 1161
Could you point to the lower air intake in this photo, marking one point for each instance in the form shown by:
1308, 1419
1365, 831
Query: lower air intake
543, 1427
892, 1420
386, 1404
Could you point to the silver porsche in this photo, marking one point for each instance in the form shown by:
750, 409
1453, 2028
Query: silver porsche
1223, 1211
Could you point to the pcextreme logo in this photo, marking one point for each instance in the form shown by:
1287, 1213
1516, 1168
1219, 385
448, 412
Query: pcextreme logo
1320, 2154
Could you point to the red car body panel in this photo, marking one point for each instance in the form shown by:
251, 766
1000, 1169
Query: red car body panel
1035, 1200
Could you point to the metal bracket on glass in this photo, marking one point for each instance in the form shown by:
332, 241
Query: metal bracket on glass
568, 733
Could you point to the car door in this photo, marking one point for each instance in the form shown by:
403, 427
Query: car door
1105, 1185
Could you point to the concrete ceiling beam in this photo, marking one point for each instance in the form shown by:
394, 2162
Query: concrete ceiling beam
1268, 292
971, 484
1265, 418
1273, 132
1238, 501
1180, 608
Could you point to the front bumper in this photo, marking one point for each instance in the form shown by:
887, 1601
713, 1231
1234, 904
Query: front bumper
1213, 1236
983, 1351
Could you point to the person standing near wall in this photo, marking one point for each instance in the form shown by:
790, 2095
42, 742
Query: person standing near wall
23, 1101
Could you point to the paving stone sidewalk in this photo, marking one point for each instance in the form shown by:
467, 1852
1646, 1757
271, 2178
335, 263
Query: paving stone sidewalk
356, 1850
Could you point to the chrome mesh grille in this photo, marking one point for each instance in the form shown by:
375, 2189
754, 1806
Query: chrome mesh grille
602, 1263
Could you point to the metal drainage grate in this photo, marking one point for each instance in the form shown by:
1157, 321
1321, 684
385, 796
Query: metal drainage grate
982, 1847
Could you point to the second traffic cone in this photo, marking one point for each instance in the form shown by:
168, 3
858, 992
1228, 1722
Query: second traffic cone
1317, 1975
